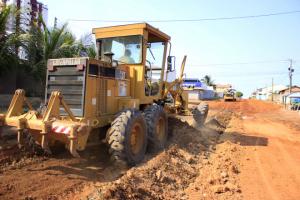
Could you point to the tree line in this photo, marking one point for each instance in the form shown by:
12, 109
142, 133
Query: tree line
28, 51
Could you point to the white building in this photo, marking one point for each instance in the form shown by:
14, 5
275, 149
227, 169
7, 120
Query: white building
266, 92
29, 13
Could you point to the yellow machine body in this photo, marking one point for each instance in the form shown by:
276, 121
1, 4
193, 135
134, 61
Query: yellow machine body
229, 95
84, 94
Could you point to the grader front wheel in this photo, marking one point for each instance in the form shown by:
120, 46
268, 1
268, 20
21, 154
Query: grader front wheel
127, 137
157, 126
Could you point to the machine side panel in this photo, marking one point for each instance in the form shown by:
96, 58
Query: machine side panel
70, 81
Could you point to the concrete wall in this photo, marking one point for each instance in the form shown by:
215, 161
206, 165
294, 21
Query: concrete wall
194, 94
207, 94
201, 94
11, 81
8, 83
5, 100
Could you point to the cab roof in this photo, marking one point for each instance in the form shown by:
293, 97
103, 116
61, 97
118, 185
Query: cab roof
154, 34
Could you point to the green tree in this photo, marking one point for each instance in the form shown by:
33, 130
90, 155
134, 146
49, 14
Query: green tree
239, 94
47, 43
37, 46
8, 41
88, 47
208, 80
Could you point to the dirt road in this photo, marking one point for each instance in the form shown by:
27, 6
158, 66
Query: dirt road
270, 146
246, 150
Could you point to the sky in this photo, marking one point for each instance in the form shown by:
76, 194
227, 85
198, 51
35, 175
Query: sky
246, 53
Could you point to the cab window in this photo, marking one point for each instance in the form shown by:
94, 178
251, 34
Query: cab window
154, 66
126, 49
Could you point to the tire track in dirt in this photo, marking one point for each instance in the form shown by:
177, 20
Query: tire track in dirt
266, 181
278, 170
278, 174
290, 162
270, 169
290, 139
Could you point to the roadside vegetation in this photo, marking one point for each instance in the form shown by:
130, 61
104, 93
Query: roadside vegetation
28, 52
8, 55
208, 80
239, 94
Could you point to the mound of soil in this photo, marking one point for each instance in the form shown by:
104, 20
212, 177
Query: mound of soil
169, 174
245, 106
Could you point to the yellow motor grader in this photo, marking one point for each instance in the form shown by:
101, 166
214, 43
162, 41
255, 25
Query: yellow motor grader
124, 89
230, 95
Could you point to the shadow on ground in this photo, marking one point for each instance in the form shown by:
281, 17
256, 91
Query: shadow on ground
247, 140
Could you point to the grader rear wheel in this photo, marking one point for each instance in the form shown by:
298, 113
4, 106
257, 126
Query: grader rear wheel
157, 127
127, 137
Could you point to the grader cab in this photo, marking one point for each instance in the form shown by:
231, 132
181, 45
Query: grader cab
124, 89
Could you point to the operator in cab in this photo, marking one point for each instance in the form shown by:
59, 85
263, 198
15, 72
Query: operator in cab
126, 58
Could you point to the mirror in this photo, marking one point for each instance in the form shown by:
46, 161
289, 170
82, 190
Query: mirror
171, 63
98, 53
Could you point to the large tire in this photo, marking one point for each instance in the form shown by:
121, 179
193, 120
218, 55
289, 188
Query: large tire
157, 127
200, 114
127, 138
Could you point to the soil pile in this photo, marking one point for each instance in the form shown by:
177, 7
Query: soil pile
169, 174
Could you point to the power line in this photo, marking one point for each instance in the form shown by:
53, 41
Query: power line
189, 20
239, 63
252, 76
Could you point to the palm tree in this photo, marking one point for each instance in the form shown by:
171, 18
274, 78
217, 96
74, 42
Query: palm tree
37, 46
8, 41
43, 44
4, 13
87, 46
208, 80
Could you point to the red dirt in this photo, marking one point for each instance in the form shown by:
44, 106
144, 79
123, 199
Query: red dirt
245, 106
257, 157
270, 141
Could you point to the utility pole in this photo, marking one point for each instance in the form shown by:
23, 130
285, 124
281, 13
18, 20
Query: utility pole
291, 71
272, 89
55, 22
